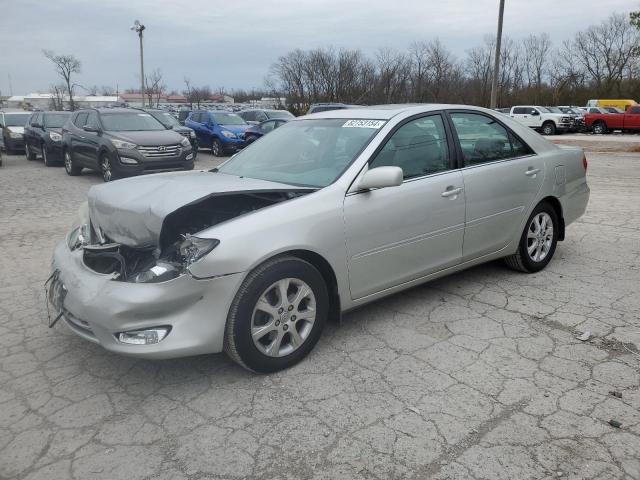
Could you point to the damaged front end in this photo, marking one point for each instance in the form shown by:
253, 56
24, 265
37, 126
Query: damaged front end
178, 245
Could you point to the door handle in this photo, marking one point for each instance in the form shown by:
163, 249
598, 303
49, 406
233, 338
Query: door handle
532, 172
451, 192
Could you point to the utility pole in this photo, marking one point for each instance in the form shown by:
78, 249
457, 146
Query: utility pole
139, 28
496, 62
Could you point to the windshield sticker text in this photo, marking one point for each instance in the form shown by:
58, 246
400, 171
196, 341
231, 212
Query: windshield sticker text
363, 124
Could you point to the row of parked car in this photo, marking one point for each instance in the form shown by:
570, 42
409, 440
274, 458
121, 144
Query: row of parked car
121, 142
565, 118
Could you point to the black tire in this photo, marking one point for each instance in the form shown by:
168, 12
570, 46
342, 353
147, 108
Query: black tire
216, 148
600, 128
238, 342
548, 128
28, 153
69, 163
522, 260
45, 157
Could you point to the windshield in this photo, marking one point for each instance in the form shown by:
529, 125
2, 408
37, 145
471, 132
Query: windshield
16, 119
166, 119
311, 153
278, 114
228, 119
55, 120
554, 109
130, 122
543, 110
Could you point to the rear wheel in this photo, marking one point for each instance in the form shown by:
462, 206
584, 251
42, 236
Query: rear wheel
216, 148
599, 128
69, 164
538, 241
548, 128
27, 151
277, 315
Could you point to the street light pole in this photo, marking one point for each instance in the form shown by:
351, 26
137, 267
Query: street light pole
139, 28
496, 61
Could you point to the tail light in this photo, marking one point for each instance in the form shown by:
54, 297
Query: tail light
585, 164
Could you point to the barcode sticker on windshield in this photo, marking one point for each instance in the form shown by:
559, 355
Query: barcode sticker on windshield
363, 123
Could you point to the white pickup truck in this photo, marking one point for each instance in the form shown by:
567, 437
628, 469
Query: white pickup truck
539, 118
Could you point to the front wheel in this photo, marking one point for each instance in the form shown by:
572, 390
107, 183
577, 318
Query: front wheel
69, 164
106, 168
216, 148
45, 157
538, 241
277, 315
27, 151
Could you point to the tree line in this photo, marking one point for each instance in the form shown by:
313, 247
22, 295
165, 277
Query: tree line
602, 61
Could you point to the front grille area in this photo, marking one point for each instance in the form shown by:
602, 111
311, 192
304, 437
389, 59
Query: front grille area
160, 151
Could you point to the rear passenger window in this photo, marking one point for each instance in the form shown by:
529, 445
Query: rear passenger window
483, 139
419, 148
81, 120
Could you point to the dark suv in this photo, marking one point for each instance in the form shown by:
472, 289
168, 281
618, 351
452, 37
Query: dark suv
43, 136
12, 126
121, 142
171, 122
256, 116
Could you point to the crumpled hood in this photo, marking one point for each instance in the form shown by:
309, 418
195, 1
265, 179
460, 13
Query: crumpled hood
132, 211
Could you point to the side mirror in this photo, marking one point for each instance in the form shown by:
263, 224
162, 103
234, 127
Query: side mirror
169, 127
381, 177
535, 113
91, 129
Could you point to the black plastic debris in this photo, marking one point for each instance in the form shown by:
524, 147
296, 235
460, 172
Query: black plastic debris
615, 423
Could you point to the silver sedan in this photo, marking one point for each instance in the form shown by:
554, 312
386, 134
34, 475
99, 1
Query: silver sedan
324, 214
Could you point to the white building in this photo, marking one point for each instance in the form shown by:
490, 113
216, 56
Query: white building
44, 101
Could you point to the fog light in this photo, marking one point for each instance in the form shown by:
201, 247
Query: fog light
190, 156
128, 161
143, 337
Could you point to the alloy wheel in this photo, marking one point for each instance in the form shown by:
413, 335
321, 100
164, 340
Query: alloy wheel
540, 236
68, 163
215, 148
283, 317
105, 167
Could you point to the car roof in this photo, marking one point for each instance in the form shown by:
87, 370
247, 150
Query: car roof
386, 112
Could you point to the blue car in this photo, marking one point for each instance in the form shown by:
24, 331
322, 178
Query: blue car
256, 131
223, 132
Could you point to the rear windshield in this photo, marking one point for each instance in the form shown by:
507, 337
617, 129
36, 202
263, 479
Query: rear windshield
16, 119
228, 119
56, 120
130, 122
166, 118
278, 114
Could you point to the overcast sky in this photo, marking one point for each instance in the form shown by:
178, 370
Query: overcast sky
232, 43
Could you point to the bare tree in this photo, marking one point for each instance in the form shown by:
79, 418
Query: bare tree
57, 99
107, 91
66, 66
154, 87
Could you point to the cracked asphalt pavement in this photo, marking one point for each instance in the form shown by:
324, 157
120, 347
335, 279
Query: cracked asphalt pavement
475, 376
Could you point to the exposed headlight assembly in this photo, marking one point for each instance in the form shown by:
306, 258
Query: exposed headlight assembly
55, 137
192, 134
228, 134
190, 250
122, 144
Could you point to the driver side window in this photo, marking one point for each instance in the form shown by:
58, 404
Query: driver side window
419, 148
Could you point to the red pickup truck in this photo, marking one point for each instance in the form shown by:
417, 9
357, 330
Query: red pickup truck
605, 122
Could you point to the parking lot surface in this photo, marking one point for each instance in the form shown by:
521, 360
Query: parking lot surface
475, 376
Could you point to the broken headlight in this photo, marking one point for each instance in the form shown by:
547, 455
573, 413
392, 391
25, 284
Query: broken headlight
79, 237
193, 248
189, 250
